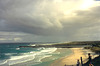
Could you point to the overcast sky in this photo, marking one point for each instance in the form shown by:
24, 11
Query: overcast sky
49, 20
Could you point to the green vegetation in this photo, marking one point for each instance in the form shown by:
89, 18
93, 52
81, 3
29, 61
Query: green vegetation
96, 49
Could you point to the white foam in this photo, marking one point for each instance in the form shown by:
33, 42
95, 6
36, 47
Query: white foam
41, 48
20, 59
17, 48
35, 56
2, 62
10, 53
33, 45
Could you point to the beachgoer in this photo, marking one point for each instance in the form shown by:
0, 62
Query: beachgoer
91, 64
78, 62
89, 58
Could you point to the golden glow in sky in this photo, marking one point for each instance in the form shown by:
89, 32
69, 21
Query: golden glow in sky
87, 4
82, 5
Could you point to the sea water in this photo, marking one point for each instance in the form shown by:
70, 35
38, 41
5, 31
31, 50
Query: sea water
13, 55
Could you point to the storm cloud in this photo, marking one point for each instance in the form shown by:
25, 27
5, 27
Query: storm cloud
63, 20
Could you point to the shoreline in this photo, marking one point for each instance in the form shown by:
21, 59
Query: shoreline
62, 51
71, 59
49, 59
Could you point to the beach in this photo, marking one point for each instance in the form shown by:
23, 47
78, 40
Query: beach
41, 56
72, 59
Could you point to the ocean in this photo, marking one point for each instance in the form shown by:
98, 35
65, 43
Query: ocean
12, 55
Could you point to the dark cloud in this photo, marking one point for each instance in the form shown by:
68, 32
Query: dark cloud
46, 18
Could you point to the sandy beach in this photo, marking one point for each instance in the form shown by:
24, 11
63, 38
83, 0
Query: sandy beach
72, 59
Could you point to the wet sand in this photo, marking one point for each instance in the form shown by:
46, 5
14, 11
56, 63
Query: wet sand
72, 59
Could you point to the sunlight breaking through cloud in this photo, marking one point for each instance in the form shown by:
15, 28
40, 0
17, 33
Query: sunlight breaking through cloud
50, 19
